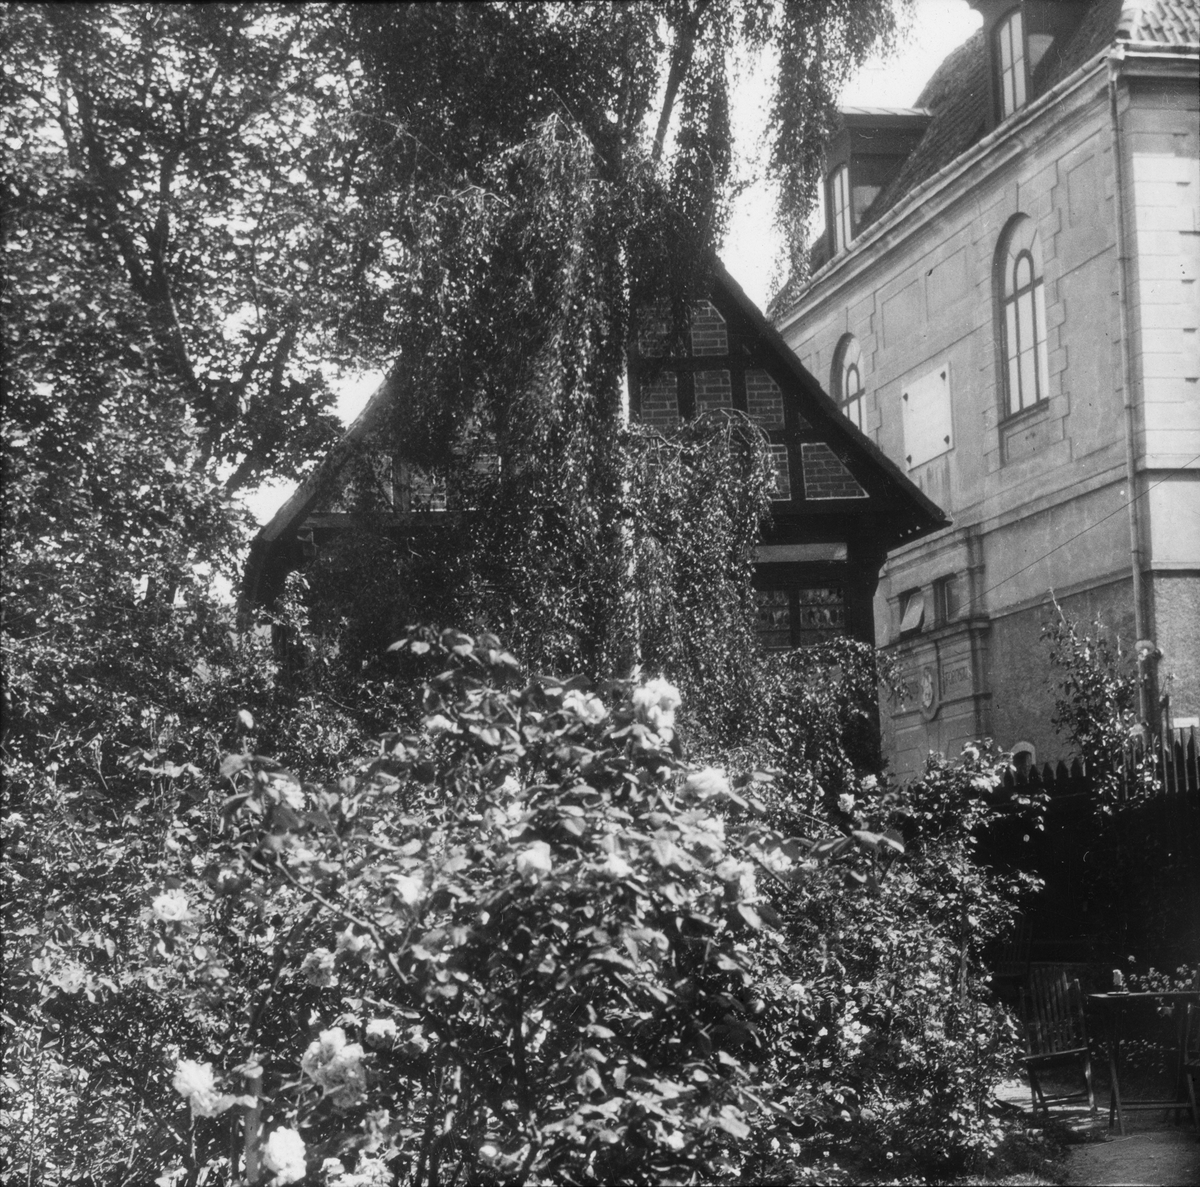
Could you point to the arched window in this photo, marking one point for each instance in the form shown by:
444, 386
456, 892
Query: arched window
1023, 305
1010, 60
847, 381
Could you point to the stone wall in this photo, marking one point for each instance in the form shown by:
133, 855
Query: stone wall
1038, 500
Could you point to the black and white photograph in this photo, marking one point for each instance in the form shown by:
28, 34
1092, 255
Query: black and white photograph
600, 592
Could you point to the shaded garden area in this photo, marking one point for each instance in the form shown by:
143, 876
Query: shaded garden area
591, 889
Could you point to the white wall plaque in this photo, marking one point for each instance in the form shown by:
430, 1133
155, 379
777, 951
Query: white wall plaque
928, 427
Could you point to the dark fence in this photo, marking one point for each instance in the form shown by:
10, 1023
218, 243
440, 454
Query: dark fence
1175, 766
1116, 883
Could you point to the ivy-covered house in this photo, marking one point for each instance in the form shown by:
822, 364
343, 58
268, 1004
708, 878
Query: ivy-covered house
838, 507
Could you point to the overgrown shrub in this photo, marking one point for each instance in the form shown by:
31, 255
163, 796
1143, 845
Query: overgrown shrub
1095, 709
525, 937
899, 1044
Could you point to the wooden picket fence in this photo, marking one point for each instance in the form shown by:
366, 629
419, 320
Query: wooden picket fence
1149, 843
1175, 764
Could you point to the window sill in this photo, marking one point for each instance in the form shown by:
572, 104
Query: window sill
1028, 432
1022, 418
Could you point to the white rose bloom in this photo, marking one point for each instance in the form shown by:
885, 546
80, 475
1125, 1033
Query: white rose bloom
197, 1084
776, 861
657, 692
382, 1032
293, 796
283, 1155
707, 783
656, 702
370, 1172
438, 724
587, 708
335, 1066
616, 868
408, 889
741, 872
870, 783
317, 968
846, 802
511, 785
534, 862
70, 979
171, 906
355, 945
322, 1049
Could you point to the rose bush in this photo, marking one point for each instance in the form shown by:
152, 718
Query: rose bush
535, 940
892, 1041
549, 936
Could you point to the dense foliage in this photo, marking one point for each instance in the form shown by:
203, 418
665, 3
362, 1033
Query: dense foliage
524, 936
211, 210
1095, 709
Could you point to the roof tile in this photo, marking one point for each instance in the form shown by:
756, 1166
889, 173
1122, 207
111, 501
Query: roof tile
1168, 22
956, 96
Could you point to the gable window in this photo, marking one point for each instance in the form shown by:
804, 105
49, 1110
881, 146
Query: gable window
847, 379
1010, 39
839, 205
1023, 301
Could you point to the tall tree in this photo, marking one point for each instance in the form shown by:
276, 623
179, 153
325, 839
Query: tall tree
206, 209
552, 169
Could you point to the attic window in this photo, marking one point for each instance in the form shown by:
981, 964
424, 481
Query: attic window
839, 200
1010, 44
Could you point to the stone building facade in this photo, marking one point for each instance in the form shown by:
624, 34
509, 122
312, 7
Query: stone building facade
1006, 302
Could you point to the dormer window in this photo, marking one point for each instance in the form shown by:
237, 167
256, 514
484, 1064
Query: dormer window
839, 202
1010, 40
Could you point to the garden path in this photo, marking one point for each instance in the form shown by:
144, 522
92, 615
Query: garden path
1154, 1152
1155, 1156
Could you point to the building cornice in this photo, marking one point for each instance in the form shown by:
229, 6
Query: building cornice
915, 210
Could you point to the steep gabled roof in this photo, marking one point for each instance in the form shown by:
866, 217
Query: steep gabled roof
957, 99
957, 94
907, 511
910, 505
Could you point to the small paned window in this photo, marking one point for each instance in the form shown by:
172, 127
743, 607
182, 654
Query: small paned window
773, 620
1010, 37
1023, 300
839, 202
947, 603
912, 611
847, 379
821, 614
422, 490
